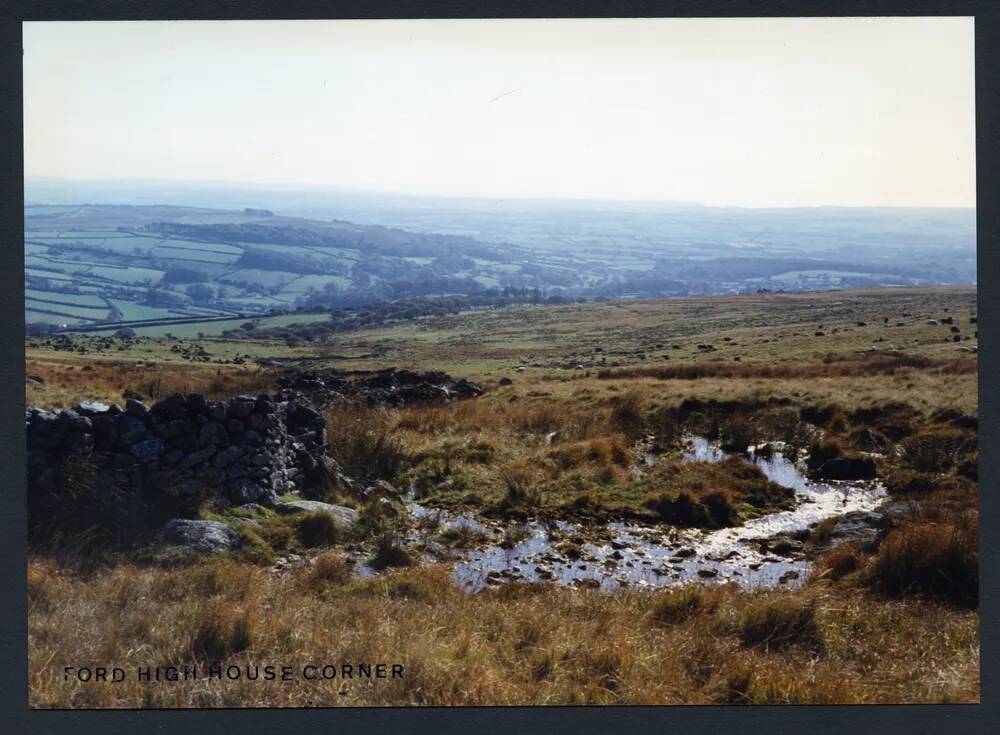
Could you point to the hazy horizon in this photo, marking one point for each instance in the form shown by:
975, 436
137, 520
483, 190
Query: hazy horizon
749, 113
264, 188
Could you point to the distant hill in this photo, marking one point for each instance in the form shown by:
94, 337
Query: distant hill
95, 264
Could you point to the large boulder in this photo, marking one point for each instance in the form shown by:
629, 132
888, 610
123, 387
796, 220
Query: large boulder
342, 515
201, 537
856, 526
173, 406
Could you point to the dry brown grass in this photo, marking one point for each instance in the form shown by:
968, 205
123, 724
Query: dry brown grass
831, 367
362, 440
518, 645
68, 381
938, 560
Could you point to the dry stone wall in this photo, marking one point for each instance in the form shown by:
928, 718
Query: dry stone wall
164, 460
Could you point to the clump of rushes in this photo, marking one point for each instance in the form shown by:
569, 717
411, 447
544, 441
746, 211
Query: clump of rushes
330, 569
519, 499
222, 632
677, 606
463, 536
390, 553
316, 528
935, 560
513, 534
363, 441
777, 622
937, 449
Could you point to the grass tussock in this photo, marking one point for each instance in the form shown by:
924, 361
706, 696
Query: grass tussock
712, 494
773, 623
838, 563
936, 560
222, 632
389, 552
328, 570
315, 529
361, 438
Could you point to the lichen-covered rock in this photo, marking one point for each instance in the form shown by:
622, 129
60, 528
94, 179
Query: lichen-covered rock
856, 526
342, 515
89, 408
245, 490
202, 537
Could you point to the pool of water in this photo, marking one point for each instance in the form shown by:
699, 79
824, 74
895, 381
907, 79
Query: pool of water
659, 556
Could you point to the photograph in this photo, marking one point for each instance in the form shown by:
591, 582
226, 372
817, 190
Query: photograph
500, 362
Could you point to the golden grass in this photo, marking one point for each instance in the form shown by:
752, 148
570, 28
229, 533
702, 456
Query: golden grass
68, 380
518, 645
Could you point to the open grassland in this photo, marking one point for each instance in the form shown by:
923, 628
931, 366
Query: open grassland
770, 329
751, 344
836, 375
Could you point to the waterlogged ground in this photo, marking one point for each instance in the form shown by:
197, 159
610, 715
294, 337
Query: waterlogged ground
624, 554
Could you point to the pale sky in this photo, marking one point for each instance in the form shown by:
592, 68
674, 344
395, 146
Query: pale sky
747, 112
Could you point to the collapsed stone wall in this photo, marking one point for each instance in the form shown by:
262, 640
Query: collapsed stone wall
181, 451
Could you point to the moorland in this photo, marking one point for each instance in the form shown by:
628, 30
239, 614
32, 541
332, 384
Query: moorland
580, 441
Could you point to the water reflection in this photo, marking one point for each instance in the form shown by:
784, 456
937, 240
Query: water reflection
648, 556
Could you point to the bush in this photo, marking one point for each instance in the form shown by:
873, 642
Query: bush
936, 560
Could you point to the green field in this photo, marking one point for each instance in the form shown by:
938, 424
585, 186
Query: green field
66, 298
271, 279
31, 315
